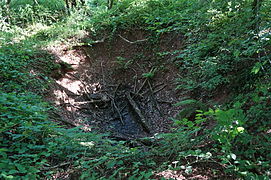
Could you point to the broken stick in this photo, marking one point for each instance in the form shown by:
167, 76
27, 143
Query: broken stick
142, 120
133, 42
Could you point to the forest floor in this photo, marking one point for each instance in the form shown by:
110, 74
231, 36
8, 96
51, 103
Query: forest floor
91, 89
155, 89
97, 84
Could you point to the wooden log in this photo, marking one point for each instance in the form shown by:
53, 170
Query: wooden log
141, 119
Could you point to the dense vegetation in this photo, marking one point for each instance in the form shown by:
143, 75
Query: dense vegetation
226, 53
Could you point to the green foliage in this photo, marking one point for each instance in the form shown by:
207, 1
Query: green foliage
240, 133
23, 129
190, 107
151, 74
226, 46
30, 144
222, 52
235, 142
123, 62
26, 12
229, 125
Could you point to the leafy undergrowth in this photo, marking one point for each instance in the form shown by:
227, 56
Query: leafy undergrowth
226, 56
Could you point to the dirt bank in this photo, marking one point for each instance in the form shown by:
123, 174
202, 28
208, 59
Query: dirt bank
94, 91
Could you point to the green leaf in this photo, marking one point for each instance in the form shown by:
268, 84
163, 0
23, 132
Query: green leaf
111, 164
13, 171
7, 176
256, 68
233, 156
21, 168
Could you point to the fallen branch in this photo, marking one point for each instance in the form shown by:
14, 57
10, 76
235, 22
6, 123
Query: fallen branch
118, 111
115, 92
90, 43
115, 105
166, 102
116, 108
103, 73
132, 42
99, 41
154, 100
155, 91
160, 89
92, 101
135, 83
143, 84
144, 123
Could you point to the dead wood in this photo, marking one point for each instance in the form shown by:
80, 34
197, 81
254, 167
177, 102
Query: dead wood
166, 102
89, 44
102, 68
116, 107
153, 91
142, 120
92, 101
115, 92
143, 84
160, 89
154, 100
133, 42
118, 111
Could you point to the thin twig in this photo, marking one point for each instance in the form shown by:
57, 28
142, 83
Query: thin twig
118, 111
154, 100
93, 101
165, 102
103, 73
115, 92
143, 84
89, 44
99, 41
157, 85
121, 109
142, 120
135, 84
157, 90
132, 42
116, 107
